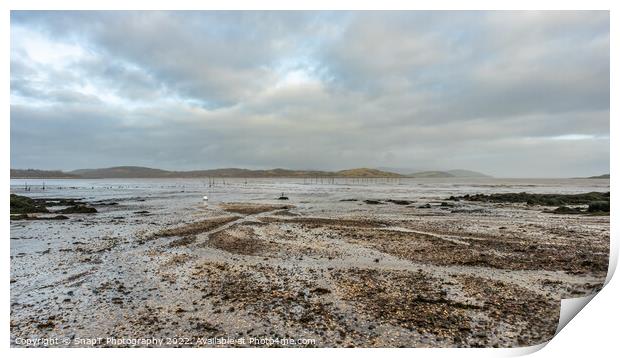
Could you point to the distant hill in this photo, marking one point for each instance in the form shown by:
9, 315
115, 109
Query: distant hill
39, 174
143, 172
399, 170
367, 173
431, 174
121, 172
248, 173
602, 176
455, 173
462, 173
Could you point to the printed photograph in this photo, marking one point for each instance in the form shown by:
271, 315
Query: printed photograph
301, 179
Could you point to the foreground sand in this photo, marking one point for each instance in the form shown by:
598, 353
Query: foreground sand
362, 275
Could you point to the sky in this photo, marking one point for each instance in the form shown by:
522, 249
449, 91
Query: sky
510, 94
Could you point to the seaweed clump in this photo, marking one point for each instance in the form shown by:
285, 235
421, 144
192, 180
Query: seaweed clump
25, 205
599, 206
598, 202
27, 217
567, 210
78, 209
22, 205
539, 199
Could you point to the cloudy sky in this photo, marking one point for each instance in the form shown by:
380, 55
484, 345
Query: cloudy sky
511, 94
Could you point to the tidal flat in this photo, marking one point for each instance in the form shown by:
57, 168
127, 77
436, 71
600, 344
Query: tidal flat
349, 263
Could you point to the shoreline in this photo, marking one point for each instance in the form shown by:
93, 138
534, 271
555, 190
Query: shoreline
343, 273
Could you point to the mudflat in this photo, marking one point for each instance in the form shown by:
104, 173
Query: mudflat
334, 266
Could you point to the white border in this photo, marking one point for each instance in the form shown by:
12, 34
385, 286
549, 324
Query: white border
594, 330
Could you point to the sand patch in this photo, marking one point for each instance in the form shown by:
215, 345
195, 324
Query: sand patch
413, 301
240, 240
251, 209
195, 228
488, 252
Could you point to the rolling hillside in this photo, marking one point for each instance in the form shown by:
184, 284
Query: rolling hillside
143, 172
35, 173
455, 173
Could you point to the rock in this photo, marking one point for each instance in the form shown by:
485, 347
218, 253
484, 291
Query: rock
540, 199
399, 202
598, 206
321, 291
19, 217
566, 210
78, 209
25, 205
425, 206
27, 217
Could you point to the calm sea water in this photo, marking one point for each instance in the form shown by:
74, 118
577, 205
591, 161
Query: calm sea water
240, 189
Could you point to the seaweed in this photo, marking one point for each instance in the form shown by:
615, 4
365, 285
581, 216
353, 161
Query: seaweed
78, 209
598, 206
539, 199
25, 205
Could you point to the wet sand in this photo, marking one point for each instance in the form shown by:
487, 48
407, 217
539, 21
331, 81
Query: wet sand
344, 273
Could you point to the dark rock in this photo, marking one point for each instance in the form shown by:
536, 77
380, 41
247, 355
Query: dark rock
78, 209
25, 205
321, 291
19, 217
598, 206
27, 217
540, 199
567, 210
399, 202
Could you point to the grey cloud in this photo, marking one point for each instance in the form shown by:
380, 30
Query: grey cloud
485, 91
